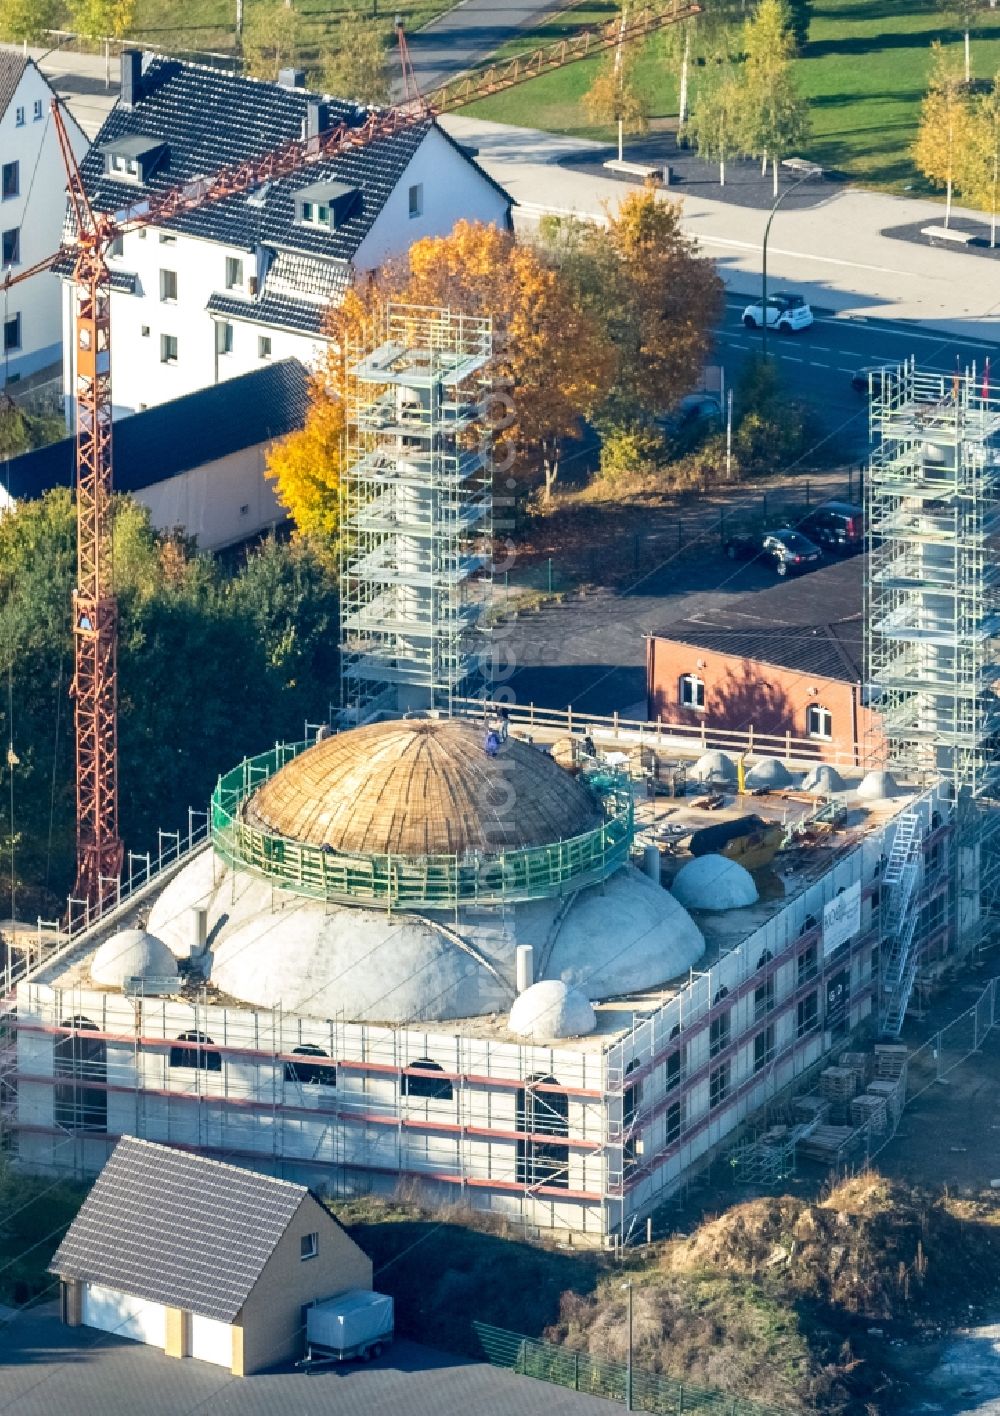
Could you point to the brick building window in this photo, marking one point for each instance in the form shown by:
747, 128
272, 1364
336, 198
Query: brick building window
691, 692
819, 722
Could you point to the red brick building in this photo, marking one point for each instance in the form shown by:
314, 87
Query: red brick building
785, 661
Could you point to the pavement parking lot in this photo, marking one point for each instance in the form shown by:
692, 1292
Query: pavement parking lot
46, 1367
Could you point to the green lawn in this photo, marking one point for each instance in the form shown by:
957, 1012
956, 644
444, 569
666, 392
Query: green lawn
209, 25
863, 69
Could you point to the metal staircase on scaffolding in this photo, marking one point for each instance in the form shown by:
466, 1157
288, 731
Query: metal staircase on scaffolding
901, 911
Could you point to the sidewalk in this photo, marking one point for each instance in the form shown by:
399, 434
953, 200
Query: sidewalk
832, 252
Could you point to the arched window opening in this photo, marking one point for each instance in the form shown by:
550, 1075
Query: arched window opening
80, 1060
196, 1049
311, 1074
542, 1114
431, 1087
631, 1097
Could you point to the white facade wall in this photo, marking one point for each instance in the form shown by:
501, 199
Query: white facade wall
451, 188
220, 503
38, 212
365, 1134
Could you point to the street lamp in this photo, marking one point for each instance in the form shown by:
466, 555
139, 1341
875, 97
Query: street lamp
812, 172
628, 1369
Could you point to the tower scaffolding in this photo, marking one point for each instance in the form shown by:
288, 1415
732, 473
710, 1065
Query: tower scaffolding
933, 612
416, 512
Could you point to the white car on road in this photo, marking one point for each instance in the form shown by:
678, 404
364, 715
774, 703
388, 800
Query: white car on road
785, 313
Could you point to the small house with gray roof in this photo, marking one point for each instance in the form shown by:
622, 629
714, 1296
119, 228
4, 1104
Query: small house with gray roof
202, 1259
221, 289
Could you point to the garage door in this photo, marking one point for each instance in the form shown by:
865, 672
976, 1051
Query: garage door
212, 1341
124, 1315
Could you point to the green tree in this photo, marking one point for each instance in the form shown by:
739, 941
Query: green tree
210, 668
980, 176
944, 140
100, 19
358, 67
25, 21
966, 12
272, 38
775, 118
717, 121
616, 96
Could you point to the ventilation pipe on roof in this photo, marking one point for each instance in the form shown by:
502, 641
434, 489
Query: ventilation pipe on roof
131, 86
524, 967
292, 78
199, 931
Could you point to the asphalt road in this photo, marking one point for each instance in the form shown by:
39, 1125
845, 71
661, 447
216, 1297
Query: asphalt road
466, 35
817, 364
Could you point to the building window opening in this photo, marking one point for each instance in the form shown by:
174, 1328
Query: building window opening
542, 1114
808, 963
808, 1014
763, 998
11, 180
311, 1074
308, 1246
673, 1122
417, 199
234, 273
430, 1087
691, 692
81, 1098
719, 1030
168, 286
224, 337
763, 1048
196, 1049
718, 1086
263, 346
631, 1098
675, 1069
819, 722
168, 349
10, 245
12, 333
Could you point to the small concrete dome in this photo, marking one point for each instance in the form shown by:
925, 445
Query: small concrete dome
877, 785
714, 767
132, 953
714, 882
823, 780
551, 1009
768, 772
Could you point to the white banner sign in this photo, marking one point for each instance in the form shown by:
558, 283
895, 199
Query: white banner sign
842, 918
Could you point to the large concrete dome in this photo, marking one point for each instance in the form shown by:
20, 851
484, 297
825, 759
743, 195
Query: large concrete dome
272, 948
422, 787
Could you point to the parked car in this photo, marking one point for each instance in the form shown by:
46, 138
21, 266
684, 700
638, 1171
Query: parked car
872, 378
836, 527
694, 418
789, 551
785, 313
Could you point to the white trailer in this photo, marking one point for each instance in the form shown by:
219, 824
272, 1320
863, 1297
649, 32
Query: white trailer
358, 1323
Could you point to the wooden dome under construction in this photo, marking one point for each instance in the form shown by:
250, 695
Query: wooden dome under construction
420, 787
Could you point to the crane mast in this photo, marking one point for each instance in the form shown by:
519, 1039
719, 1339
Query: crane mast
95, 610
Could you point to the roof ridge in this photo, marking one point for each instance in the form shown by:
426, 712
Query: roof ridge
187, 1153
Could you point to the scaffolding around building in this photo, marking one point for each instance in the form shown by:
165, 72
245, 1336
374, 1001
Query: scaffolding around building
416, 512
933, 629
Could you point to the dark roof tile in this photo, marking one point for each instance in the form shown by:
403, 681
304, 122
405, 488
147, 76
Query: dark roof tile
12, 66
177, 1228
173, 437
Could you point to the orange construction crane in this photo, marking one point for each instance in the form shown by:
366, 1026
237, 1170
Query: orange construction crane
95, 612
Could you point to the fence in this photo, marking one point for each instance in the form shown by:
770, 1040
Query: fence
952, 1044
600, 1376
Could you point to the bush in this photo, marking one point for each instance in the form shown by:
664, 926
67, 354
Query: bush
630, 454
774, 430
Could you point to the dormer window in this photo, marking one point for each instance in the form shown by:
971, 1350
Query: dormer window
133, 159
326, 204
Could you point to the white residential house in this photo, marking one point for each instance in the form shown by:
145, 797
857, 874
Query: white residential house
226, 287
32, 203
